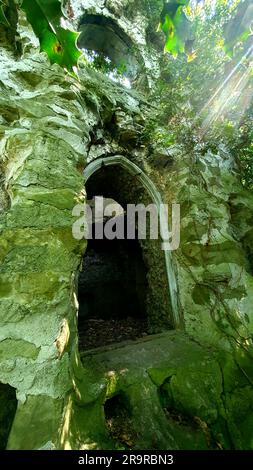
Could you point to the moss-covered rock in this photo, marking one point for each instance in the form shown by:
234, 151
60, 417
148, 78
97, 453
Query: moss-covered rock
176, 392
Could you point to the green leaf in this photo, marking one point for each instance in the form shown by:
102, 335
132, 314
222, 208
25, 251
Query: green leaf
3, 19
60, 44
175, 26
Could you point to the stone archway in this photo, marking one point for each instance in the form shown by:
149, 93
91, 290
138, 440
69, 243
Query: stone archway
154, 196
103, 36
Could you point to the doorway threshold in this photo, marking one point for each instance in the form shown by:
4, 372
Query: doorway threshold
123, 344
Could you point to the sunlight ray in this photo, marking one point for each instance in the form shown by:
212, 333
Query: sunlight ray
248, 54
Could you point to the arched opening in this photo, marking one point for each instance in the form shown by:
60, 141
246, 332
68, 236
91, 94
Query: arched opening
112, 293
8, 407
107, 47
123, 285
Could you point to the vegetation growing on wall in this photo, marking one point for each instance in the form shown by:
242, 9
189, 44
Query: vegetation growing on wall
52, 126
201, 95
204, 96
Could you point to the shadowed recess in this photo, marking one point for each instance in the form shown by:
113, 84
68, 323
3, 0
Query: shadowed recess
120, 280
8, 406
103, 36
119, 422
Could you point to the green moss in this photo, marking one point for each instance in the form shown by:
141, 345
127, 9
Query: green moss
50, 165
190, 433
12, 311
13, 348
193, 231
181, 398
38, 215
42, 283
236, 369
56, 237
201, 295
6, 287
40, 415
59, 198
88, 428
240, 418
51, 256
160, 375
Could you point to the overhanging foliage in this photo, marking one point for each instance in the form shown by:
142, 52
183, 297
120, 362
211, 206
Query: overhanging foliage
47, 20
175, 26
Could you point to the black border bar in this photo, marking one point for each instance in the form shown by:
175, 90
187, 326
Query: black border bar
113, 459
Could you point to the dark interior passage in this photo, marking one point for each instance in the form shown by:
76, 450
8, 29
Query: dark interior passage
8, 406
112, 293
123, 285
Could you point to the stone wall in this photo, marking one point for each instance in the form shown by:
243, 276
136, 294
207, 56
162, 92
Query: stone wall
51, 127
42, 147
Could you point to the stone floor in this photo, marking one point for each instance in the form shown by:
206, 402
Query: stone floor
97, 332
159, 392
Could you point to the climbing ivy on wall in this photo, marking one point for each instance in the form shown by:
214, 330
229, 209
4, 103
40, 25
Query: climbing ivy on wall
46, 18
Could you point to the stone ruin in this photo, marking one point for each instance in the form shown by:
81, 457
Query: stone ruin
186, 383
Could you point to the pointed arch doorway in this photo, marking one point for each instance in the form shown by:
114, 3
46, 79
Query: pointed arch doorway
124, 285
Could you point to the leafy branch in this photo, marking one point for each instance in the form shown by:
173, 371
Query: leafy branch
60, 43
47, 20
175, 25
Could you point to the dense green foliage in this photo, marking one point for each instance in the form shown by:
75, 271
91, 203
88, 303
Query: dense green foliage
207, 102
178, 28
204, 96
